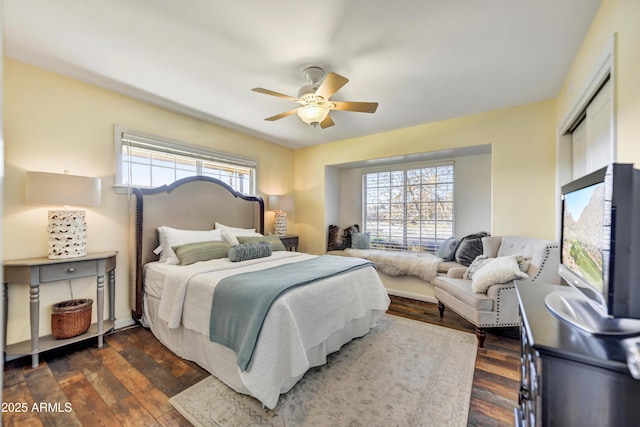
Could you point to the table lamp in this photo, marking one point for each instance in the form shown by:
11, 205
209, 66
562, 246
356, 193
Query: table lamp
281, 204
67, 228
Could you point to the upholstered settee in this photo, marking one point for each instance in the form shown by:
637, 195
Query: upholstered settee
497, 306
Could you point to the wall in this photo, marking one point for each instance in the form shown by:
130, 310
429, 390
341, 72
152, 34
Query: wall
619, 17
472, 194
522, 167
53, 123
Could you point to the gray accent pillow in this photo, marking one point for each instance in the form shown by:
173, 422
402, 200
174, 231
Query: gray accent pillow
360, 241
276, 243
469, 248
251, 250
447, 250
348, 232
201, 251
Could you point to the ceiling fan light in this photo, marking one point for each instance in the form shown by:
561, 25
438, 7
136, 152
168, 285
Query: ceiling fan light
313, 114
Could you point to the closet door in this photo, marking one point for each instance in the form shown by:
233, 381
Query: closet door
592, 140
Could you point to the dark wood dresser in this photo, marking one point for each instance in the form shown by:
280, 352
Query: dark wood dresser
568, 377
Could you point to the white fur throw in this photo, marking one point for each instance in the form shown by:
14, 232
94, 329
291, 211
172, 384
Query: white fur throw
496, 270
421, 265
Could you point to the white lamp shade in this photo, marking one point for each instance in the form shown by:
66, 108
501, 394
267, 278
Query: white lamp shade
42, 188
280, 203
67, 229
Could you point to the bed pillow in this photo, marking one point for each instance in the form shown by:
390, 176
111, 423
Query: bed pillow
497, 270
276, 243
237, 231
170, 237
250, 250
201, 251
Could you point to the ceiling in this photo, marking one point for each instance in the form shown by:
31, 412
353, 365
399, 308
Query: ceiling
422, 60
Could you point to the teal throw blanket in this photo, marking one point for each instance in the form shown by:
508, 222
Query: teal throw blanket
241, 302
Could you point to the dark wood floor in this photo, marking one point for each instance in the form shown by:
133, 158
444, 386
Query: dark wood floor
128, 381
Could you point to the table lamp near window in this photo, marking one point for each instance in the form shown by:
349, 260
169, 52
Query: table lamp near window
67, 228
281, 204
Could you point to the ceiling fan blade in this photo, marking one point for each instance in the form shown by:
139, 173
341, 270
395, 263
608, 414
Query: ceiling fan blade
281, 115
327, 122
361, 107
270, 92
330, 85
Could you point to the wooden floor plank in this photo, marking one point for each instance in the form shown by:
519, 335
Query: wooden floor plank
188, 373
86, 403
498, 385
173, 419
495, 408
156, 374
131, 413
154, 400
19, 401
506, 369
46, 392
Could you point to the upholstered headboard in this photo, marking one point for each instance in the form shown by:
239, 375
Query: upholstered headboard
193, 203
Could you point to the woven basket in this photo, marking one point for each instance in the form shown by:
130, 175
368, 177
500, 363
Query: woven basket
71, 318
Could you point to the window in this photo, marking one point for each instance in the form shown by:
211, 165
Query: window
409, 208
145, 161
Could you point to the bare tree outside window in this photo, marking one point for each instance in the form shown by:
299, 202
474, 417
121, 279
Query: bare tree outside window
409, 209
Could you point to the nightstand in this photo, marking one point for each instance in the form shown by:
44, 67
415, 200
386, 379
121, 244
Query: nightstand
40, 271
290, 242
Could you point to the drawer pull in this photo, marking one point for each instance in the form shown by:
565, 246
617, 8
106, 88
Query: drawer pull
71, 269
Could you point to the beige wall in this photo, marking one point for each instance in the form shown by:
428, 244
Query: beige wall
620, 17
522, 167
53, 123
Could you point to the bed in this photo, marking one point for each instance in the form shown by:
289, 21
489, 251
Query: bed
301, 327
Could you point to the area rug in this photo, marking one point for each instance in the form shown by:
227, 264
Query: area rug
403, 373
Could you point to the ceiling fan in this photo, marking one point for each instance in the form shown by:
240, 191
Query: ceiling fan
314, 99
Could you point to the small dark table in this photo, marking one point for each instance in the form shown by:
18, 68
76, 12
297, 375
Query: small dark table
290, 242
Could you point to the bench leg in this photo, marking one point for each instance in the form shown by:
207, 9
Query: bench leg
481, 334
441, 309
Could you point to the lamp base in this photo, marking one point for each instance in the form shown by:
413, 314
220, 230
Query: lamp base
280, 223
67, 234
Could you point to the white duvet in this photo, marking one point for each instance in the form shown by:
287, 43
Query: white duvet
298, 321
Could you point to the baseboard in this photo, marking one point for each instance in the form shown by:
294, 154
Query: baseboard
124, 323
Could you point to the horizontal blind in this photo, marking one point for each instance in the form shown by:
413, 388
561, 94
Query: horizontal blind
193, 152
410, 207
146, 161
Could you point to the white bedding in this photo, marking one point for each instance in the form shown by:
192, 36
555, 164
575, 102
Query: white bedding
302, 326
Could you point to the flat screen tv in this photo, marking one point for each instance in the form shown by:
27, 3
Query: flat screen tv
600, 252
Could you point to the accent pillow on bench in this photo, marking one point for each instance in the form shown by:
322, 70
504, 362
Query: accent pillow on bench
490, 271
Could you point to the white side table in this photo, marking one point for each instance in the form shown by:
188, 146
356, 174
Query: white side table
39, 271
